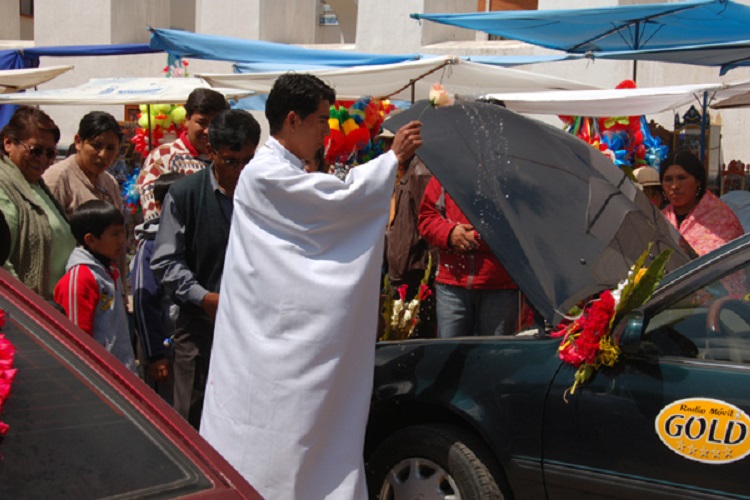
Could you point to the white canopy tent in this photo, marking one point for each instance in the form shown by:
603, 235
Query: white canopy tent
617, 102
409, 80
108, 91
119, 91
14, 80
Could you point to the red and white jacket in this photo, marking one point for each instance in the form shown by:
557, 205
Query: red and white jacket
480, 269
91, 296
179, 156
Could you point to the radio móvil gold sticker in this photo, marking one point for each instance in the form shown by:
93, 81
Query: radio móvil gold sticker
705, 430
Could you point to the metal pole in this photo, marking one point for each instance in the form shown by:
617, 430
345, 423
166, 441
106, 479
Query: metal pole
150, 133
704, 126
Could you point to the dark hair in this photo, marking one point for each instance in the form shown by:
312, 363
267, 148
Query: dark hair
162, 184
692, 165
234, 129
492, 100
94, 217
96, 123
205, 101
319, 161
27, 121
301, 93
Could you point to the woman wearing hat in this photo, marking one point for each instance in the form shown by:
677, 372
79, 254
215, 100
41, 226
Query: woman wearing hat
649, 183
701, 218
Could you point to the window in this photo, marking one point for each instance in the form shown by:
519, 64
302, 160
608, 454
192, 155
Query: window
27, 8
712, 323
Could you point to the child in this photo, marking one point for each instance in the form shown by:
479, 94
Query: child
151, 303
90, 291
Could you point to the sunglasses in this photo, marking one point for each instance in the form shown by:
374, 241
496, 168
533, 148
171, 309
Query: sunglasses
38, 151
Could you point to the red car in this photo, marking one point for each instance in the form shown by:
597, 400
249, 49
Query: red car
82, 426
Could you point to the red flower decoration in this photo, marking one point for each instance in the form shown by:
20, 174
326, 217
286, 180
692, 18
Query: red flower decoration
7, 372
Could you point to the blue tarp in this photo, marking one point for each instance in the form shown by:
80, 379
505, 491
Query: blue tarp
29, 58
221, 48
702, 32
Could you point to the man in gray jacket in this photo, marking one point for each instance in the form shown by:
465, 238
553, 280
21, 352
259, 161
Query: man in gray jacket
188, 256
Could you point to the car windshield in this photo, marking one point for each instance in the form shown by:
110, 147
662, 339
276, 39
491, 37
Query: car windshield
73, 435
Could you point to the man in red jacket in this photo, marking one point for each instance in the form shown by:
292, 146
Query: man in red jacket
475, 294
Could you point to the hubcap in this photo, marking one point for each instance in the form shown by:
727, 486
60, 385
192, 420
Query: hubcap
419, 479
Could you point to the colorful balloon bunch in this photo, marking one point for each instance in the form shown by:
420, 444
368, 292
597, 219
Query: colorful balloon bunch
627, 140
130, 195
353, 130
166, 123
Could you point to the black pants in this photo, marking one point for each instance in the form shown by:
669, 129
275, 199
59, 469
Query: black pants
192, 353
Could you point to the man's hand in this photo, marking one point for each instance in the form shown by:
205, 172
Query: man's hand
210, 304
463, 238
407, 140
159, 370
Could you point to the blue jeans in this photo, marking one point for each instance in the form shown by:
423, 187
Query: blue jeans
462, 312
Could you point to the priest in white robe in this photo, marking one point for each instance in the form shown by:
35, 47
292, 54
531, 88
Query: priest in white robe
291, 371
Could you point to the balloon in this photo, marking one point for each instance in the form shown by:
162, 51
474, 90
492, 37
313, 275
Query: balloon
161, 109
357, 139
178, 115
334, 146
143, 108
349, 126
143, 121
162, 120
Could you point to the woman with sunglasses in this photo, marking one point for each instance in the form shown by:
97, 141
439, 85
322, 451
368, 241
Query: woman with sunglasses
40, 237
83, 176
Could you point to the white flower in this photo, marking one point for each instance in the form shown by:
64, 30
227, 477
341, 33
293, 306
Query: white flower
439, 97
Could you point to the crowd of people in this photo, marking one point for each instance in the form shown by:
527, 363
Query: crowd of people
239, 246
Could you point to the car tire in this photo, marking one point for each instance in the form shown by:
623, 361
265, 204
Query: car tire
434, 462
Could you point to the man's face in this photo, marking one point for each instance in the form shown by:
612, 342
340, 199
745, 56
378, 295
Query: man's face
228, 165
197, 130
310, 132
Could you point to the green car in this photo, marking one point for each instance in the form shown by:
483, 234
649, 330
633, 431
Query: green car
477, 418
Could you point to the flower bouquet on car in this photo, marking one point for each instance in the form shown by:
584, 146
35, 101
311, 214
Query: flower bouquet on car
586, 333
401, 315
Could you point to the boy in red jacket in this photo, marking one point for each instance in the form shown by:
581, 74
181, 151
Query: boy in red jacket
89, 292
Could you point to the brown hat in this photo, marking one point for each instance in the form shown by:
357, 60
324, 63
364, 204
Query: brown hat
646, 176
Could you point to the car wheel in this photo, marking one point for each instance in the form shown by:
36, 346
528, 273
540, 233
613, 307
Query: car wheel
434, 462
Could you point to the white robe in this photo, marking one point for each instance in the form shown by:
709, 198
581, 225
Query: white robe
292, 363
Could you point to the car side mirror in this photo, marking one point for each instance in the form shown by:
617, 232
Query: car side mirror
628, 332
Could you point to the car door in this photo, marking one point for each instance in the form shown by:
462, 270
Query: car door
671, 419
